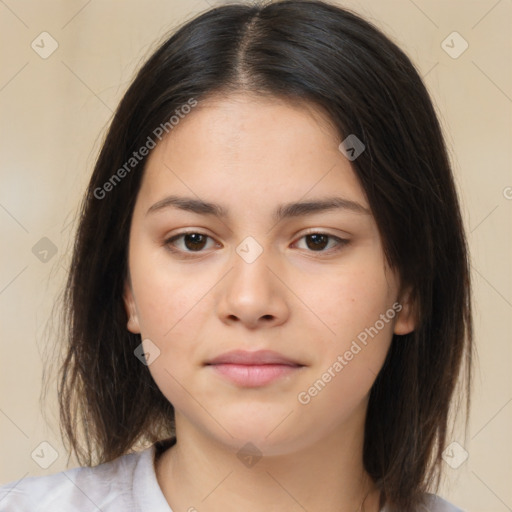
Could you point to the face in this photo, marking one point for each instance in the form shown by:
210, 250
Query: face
302, 294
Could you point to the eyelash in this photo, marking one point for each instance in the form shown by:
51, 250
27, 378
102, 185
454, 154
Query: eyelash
342, 242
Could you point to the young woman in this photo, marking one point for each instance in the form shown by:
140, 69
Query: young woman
269, 291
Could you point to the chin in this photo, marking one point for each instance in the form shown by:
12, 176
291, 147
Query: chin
268, 434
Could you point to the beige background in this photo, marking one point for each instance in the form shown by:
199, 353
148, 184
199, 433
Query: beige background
53, 115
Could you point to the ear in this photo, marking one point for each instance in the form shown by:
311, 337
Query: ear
406, 318
131, 311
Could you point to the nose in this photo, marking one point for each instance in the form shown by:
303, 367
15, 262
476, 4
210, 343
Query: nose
252, 294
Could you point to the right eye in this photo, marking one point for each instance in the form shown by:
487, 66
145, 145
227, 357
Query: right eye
190, 242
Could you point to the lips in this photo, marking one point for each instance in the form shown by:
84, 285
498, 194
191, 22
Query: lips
258, 358
253, 369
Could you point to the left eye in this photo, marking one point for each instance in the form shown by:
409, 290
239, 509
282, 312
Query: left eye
196, 242
317, 242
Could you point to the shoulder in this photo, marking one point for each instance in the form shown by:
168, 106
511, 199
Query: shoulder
109, 487
432, 503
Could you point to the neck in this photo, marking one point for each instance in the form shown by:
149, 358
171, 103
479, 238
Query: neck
201, 474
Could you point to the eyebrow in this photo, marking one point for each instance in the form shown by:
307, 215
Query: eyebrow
283, 211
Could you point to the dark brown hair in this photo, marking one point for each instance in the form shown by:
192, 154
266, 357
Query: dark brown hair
316, 53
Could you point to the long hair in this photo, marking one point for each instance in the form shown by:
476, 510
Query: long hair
323, 55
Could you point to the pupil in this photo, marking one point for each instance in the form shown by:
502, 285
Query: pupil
316, 238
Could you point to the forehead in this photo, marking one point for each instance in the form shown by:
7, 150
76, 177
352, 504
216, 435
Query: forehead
251, 149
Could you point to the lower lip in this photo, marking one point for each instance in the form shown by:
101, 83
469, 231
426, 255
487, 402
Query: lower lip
252, 376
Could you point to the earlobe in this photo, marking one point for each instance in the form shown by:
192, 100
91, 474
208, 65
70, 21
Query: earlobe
406, 318
131, 311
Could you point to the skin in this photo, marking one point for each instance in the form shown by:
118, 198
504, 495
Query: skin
251, 154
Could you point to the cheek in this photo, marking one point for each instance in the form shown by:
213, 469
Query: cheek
169, 307
163, 306
173, 306
359, 309
167, 298
355, 298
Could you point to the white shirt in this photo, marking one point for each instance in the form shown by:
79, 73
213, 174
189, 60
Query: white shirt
126, 484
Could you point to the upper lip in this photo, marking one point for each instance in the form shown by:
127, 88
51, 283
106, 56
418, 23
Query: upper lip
259, 357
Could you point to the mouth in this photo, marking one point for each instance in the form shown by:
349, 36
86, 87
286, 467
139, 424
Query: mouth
253, 369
